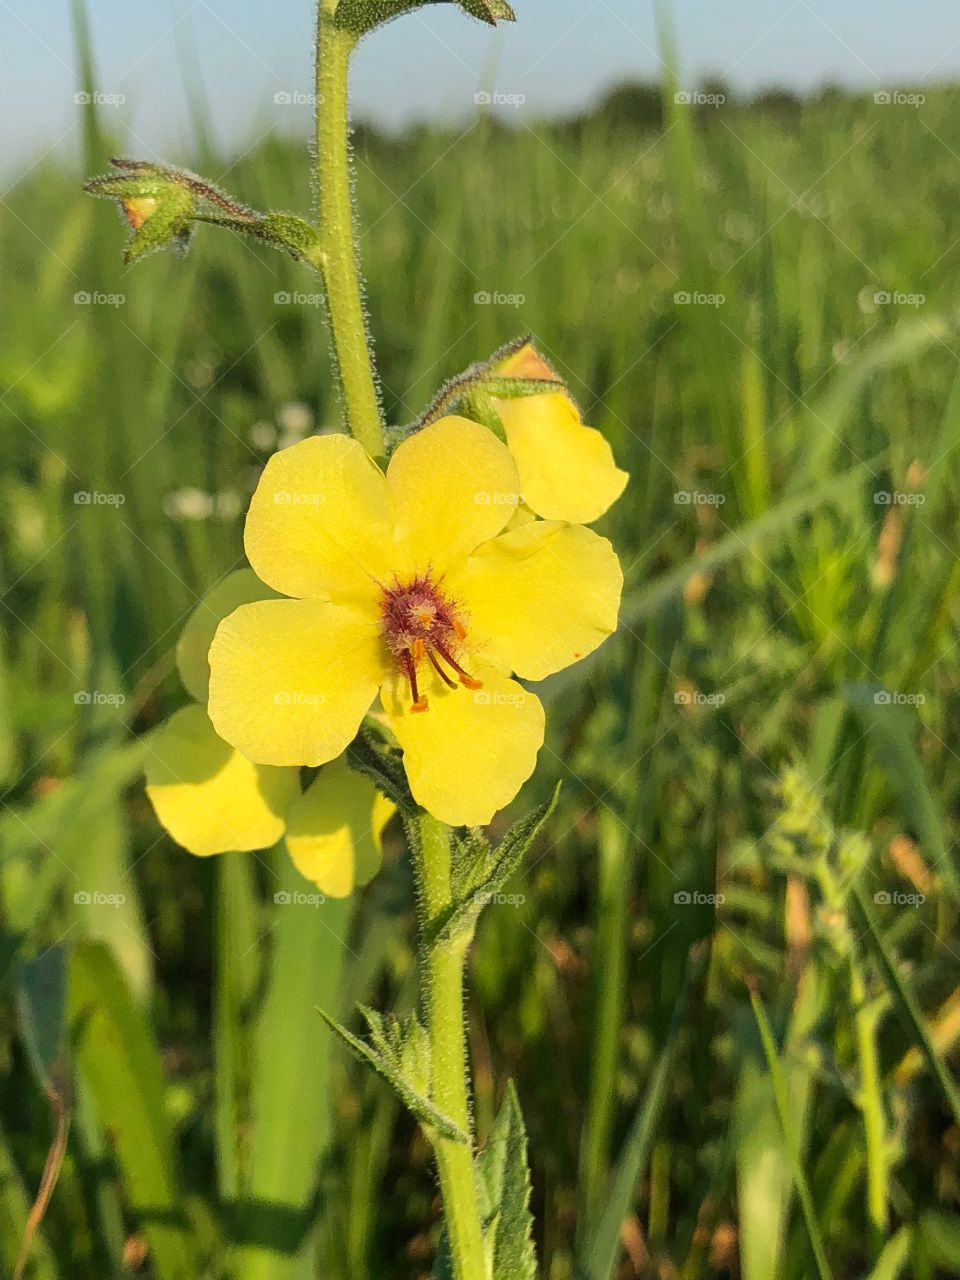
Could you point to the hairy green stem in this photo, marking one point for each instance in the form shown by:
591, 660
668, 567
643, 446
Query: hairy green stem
871, 1103
337, 248
443, 1000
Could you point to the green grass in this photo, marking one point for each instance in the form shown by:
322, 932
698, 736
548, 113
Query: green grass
217, 1131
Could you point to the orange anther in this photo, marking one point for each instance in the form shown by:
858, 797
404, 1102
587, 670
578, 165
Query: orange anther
460, 631
421, 704
418, 650
468, 682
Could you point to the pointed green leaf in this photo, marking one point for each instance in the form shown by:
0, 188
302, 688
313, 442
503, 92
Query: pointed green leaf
361, 16
403, 1040
472, 855
504, 1181
462, 919
503, 1193
387, 1063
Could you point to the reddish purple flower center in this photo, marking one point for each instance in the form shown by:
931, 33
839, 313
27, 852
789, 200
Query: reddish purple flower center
421, 624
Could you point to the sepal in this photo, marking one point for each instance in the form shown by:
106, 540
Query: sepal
372, 754
473, 392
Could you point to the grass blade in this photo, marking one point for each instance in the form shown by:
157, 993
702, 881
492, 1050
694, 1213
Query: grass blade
115, 1051
782, 1096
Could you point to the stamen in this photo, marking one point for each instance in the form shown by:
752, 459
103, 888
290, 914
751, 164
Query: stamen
419, 704
451, 684
418, 649
466, 679
459, 630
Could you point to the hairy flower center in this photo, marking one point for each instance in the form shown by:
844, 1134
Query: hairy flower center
421, 625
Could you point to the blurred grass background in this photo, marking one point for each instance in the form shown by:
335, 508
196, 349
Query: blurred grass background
728, 985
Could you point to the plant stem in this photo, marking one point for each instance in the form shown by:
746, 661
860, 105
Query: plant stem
871, 1103
338, 252
442, 973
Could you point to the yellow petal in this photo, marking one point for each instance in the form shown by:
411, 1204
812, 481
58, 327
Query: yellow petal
290, 680
235, 589
208, 796
453, 485
318, 525
471, 751
334, 830
539, 597
567, 471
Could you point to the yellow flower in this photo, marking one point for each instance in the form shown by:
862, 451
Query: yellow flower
567, 471
406, 584
212, 800
208, 796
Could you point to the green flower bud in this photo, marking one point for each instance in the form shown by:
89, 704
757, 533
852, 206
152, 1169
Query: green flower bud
158, 202
162, 206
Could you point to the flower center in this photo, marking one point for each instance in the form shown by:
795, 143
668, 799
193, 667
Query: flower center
421, 625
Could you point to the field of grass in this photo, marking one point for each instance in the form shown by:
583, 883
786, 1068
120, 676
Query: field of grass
727, 984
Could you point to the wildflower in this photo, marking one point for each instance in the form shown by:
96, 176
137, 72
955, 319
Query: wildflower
406, 584
212, 800
567, 471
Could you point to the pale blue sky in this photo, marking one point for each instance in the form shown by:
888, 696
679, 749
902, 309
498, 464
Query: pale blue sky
560, 54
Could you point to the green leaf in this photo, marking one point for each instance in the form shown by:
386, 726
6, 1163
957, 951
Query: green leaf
940, 1236
893, 1256
399, 1052
361, 16
890, 730
782, 1096
117, 1055
472, 853
598, 1259
42, 1006
775, 523
286, 1136
462, 918
503, 1193
42, 1009
906, 1004
503, 1179
14, 1216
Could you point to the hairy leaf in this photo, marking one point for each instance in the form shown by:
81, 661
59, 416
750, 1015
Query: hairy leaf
461, 921
393, 1053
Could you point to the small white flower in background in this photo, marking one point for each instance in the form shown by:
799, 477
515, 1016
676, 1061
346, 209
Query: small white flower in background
229, 504
263, 436
295, 420
188, 504
196, 504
